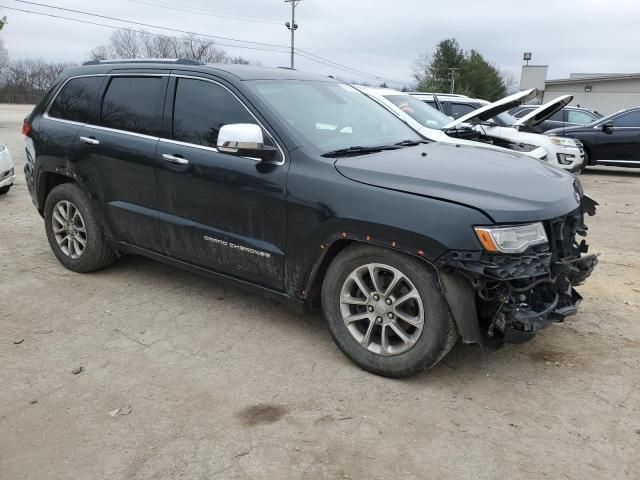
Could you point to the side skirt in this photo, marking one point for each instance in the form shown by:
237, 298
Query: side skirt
294, 303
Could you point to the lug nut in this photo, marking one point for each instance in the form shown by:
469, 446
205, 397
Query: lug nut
370, 308
376, 298
388, 301
379, 319
390, 315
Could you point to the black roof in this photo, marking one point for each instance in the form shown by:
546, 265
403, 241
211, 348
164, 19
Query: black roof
238, 72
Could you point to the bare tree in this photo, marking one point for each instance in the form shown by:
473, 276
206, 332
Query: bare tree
159, 46
510, 81
125, 44
28, 80
142, 44
4, 59
101, 52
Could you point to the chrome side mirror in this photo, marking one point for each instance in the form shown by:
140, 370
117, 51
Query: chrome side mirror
244, 140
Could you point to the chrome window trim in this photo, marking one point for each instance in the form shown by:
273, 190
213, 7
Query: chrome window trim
280, 149
55, 97
126, 132
599, 125
187, 144
46, 112
151, 137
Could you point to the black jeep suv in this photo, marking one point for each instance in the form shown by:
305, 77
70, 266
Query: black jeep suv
302, 188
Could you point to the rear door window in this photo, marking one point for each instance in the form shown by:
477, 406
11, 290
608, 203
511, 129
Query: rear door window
579, 117
78, 100
134, 104
556, 117
460, 109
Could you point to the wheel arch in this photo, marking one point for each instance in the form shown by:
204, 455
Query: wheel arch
458, 293
47, 181
329, 250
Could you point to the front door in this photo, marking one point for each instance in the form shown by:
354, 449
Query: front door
219, 211
622, 145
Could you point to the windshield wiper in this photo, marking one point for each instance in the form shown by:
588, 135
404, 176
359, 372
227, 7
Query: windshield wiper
359, 150
411, 143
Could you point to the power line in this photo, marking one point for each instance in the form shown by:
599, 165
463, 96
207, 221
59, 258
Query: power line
260, 46
148, 25
113, 27
209, 13
342, 31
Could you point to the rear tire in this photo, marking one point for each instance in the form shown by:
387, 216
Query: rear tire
411, 315
73, 231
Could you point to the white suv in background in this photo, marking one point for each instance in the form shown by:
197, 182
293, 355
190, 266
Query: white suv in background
493, 122
432, 124
7, 172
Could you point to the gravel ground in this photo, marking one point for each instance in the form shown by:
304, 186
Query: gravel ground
183, 378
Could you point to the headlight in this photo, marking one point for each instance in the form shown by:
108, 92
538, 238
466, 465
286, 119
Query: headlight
563, 142
511, 239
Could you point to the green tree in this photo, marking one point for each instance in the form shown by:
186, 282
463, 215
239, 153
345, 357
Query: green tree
3, 22
478, 78
433, 71
474, 75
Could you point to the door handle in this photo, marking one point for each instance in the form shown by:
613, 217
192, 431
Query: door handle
175, 160
89, 140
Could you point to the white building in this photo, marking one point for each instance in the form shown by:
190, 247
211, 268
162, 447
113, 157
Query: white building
606, 93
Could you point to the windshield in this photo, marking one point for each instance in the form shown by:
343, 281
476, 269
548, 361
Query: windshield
505, 119
332, 116
419, 111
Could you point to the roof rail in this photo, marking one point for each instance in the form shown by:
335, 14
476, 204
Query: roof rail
174, 61
439, 94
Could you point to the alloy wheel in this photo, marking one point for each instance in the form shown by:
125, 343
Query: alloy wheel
69, 229
382, 309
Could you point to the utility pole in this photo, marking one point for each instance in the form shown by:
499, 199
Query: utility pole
453, 73
293, 27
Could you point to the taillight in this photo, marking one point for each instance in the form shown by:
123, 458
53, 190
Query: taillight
26, 128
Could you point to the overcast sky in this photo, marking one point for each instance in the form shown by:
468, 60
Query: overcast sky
379, 38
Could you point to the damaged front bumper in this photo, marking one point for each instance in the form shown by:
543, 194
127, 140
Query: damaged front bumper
518, 295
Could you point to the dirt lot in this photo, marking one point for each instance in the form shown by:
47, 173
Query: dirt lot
183, 378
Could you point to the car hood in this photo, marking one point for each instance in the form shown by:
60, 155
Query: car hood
540, 114
487, 112
507, 187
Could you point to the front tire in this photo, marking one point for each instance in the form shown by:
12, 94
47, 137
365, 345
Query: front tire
585, 164
4, 190
73, 231
386, 312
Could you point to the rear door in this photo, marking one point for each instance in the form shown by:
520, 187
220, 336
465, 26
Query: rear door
55, 133
622, 145
117, 156
221, 212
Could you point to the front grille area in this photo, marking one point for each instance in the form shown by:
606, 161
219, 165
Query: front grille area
518, 295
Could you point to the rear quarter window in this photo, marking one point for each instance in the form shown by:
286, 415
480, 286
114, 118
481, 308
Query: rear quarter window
134, 104
78, 100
